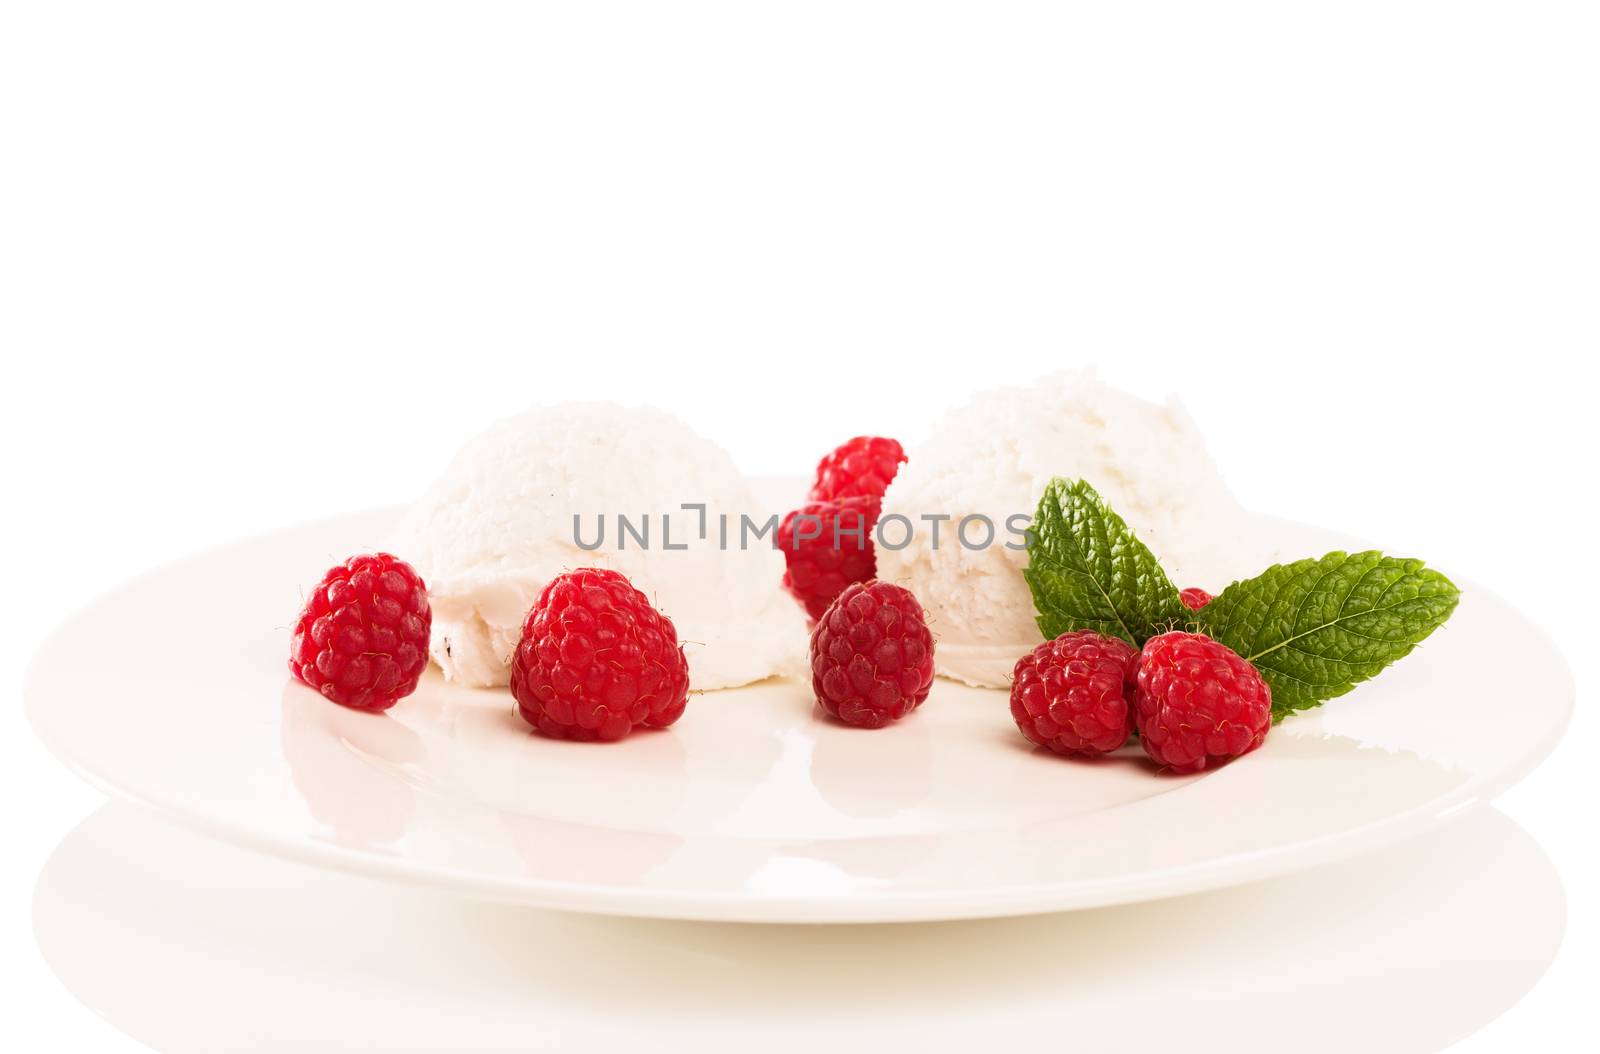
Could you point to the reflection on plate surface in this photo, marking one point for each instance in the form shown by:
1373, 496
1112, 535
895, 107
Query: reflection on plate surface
193, 946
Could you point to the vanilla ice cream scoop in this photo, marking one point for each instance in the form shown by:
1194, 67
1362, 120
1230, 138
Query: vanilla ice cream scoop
993, 458
522, 503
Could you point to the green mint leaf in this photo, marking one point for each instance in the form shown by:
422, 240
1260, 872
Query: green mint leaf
1087, 570
1317, 628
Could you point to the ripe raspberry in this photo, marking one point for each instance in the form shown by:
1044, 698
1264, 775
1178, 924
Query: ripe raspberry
596, 660
872, 655
362, 638
1198, 702
826, 546
862, 467
1194, 599
1073, 694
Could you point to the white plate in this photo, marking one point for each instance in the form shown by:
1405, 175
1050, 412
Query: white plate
173, 692
1402, 951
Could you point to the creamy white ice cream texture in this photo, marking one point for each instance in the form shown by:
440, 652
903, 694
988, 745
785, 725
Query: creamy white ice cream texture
994, 457
499, 525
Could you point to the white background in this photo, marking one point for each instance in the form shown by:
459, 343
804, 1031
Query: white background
260, 263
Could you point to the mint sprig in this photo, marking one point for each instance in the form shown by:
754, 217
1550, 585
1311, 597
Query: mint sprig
1088, 570
1317, 628
1314, 628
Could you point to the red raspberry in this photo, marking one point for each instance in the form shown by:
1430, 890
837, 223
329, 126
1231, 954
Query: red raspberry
596, 660
1198, 702
860, 468
872, 655
1194, 599
1073, 694
362, 638
826, 546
